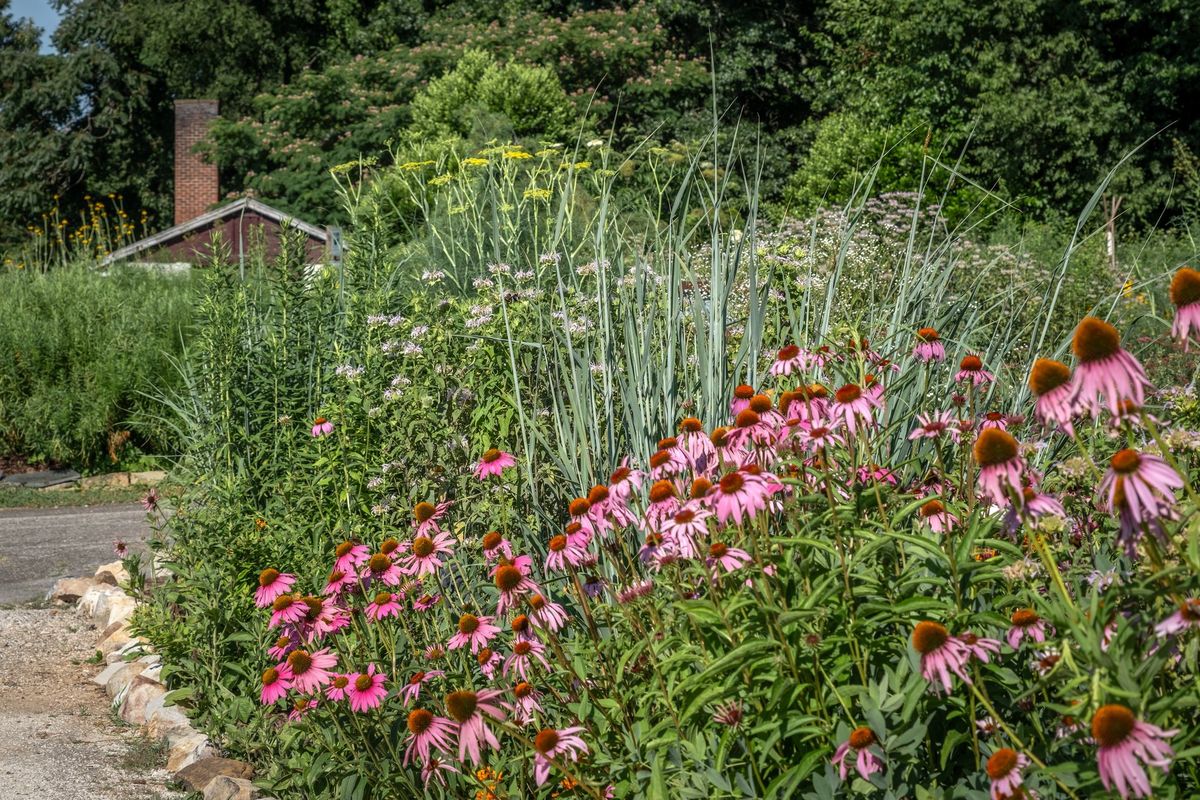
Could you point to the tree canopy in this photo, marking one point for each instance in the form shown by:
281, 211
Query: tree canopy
1041, 97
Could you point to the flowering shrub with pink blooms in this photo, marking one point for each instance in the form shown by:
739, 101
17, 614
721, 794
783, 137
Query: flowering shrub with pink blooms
693, 556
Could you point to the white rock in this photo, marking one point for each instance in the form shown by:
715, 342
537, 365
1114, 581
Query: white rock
188, 750
123, 673
167, 722
141, 691
120, 608
224, 787
69, 590
93, 598
113, 573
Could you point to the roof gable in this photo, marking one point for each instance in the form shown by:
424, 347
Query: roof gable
209, 218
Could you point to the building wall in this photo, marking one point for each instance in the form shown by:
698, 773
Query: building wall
245, 234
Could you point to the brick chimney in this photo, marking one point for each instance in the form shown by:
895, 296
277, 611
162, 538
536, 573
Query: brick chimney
196, 185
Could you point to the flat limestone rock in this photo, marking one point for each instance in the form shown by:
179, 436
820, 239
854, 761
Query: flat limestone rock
141, 692
113, 573
196, 777
188, 750
224, 787
69, 590
122, 676
168, 722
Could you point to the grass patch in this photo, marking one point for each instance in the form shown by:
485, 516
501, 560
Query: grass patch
15, 497
144, 754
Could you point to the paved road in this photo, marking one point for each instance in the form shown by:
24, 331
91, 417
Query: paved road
39, 546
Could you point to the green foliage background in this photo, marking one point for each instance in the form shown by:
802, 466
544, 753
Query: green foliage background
1040, 97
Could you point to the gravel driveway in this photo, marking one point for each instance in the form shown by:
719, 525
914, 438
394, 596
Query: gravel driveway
39, 546
58, 740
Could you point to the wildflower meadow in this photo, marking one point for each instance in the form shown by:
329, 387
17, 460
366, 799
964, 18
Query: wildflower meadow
578, 492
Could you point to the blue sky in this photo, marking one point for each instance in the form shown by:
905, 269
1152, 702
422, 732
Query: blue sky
42, 14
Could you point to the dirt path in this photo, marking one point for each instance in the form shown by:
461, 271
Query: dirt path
58, 739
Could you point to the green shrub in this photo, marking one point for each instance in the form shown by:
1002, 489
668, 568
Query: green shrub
84, 354
480, 93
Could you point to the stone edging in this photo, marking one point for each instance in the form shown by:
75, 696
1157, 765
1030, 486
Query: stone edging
131, 680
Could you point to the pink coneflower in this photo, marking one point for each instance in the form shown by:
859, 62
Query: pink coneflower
664, 502
284, 645
815, 436
546, 614
668, 463
493, 463
524, 653
860, 743
384, 604
980, 648
929, 346
432, 770
748, 429
366, 689
474, 631
339, 581
971, 369
651, 545
874, 473
1000, 465
471, 710
321, 427
1144, 484
1026, 623
788, 360
489, 661
1104, 370
1185, 294
275, 683
287, 609
623, 482
310, 671
120, 548
697, 445
512, 584
271, 584
380, 567
562, 744
336, 690
854, 408
422, 557
1050, 382
495, 546
1124, 743
740, 496
681, 531
934, 514
993, 419
526, 703
349, 556
741, 399
932, 426
150, 500
635, 591
1004, 770
302, 707
322, 617
426, 602
726, 557
728, 713
427, 731
412, 689
1188, 616
941, 654
561, 554
426, 516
